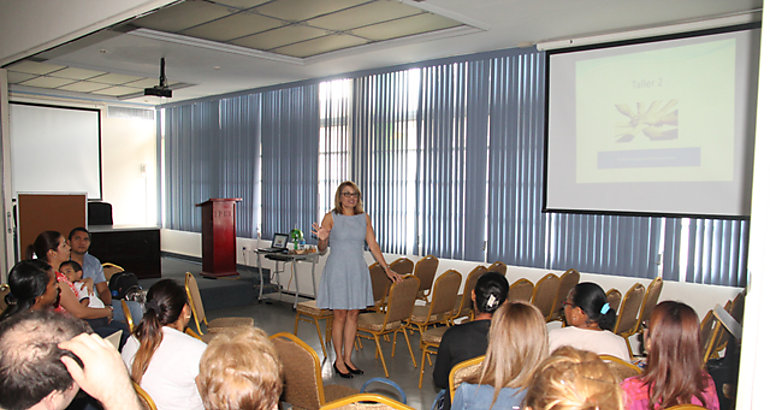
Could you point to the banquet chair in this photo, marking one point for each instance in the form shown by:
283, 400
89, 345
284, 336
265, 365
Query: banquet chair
521, 290
686, 406
110, 269
625, 324
144, 398
545, 293
499, 267
621, 368
463, 303
380, 286
439, 310
199, 313
649, 302
303, 385
461, 372
127, 315
372, 325
613, 298
567, 281
425, 270
429, 342
707, 327
366, 401
309, 312
4, 290
402, 266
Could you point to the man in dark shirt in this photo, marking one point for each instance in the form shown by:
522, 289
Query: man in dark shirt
469, 340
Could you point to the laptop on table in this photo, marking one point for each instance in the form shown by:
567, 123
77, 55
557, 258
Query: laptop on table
280, 241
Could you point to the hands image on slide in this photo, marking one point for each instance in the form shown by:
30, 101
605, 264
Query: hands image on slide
657, 122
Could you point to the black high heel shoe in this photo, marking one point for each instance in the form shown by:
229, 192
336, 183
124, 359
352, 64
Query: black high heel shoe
343, 375
354, 371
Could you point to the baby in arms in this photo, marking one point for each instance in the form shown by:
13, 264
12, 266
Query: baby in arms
85, 287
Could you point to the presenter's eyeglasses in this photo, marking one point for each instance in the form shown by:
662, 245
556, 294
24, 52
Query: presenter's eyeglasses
351, 194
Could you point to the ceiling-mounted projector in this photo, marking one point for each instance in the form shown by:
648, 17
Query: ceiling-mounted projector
160, 90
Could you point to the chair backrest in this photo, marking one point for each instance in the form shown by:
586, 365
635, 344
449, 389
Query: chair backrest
706, 329
368, 401
544, 293
651, 297
499, 267
521, 290
127, 314
737, 309
613, 298
685, 407
621, 368
110, 269
4, 290
401, 299
425, 270
403, 266
303, 385
144, 398
195, 301
445, 293
567, 281
629, 307
462, 371
380, 281
470, 283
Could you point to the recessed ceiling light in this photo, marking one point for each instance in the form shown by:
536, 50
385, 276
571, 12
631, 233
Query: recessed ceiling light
216, 67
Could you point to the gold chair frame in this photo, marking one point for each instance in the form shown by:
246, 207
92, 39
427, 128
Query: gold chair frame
199, 313
461, 371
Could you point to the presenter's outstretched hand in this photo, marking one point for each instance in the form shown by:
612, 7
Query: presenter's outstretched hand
321, 232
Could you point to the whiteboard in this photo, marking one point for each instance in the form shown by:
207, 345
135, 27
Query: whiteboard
55, 149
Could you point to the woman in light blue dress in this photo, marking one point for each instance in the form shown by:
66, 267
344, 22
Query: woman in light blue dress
345, 286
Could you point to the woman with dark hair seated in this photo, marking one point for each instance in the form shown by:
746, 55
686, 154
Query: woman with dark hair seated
518, 342
469, 340
674, 373
33, 287
590, 319
161, 358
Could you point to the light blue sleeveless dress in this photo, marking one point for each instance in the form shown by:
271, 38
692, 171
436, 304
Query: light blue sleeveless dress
345, 282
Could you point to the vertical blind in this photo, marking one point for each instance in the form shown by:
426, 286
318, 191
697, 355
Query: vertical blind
449, 156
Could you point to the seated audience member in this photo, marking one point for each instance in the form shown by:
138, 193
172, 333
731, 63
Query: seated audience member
43, 375
162, 359
574, 379
674, 373
240, 370
518, 343
469, 340
79, 240
84, 287
590, 319
33, 286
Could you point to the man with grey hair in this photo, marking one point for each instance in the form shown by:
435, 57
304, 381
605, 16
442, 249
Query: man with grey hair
45, 357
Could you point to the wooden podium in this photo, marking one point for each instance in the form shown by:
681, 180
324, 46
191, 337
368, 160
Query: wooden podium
218, 237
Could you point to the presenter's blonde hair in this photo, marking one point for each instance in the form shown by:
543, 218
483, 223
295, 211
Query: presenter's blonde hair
359, 209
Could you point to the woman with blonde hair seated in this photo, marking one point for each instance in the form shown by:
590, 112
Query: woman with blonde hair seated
674, 373
518, 342
574, 379
240, 370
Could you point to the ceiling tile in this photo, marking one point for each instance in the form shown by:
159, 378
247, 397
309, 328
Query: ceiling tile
76, 73
320, 45
182, 16
230, 27
280, 37
298, 10
117, 91
143, 83
33, 67
406, 26
241, 4
83, 87
46, 82
16, 77
364, 15
112, 78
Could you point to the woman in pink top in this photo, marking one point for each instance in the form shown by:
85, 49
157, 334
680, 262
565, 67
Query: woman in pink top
674, 373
